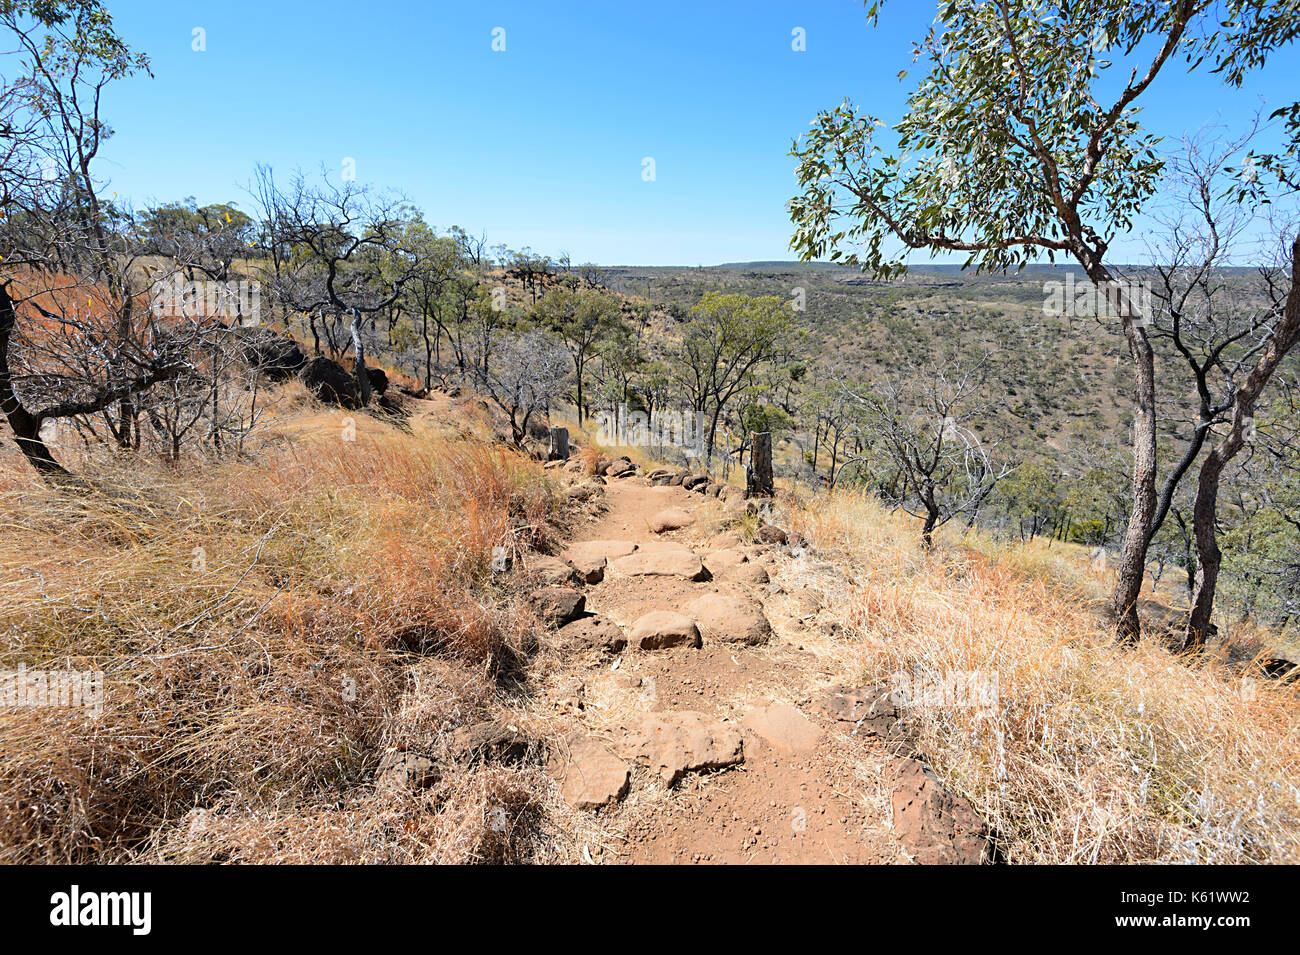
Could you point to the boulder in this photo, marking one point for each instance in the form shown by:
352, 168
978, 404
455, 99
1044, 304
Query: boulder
661, 629
725, 618
692, 481
331, 383
559, 605
783, 727
550, 571
748, 573
591, 633
722, 562
676, 743
591, 777
619, 467
273, 355
670, 519
935, 826
771, 534
378, 380
590, 568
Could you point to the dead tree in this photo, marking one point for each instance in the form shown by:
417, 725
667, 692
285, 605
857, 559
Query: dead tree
758, 476
940, 468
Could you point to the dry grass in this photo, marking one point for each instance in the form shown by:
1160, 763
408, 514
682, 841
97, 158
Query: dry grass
1088, 753
268, 629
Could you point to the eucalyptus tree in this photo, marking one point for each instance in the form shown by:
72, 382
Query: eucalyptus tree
1022, 140
581, 320
923, 424
727, 339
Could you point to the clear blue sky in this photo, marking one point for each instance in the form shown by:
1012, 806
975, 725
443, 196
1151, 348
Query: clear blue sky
540, 145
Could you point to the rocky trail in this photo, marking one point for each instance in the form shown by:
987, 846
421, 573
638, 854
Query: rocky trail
700, 684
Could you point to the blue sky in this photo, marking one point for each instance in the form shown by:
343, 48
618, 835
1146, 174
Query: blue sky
540, 145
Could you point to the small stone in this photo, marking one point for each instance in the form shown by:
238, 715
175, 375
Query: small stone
662, 629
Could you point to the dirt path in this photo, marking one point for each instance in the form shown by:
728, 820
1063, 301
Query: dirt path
806, 790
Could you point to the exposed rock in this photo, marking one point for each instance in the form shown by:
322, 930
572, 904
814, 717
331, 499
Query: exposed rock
670, 519
558, 605
660, 563
679, 477
783, 727
378, 380
1277, 668
676, 743
331, 383
661, 629
619, 467
771, 534
492, 740
729, 619
273, 355
591, 777
722, 562
725, 541
584, 492
405, 771
692, 481
750, 573
869, 711
550, 571
590, 568
609, 549
591, 632
935, 826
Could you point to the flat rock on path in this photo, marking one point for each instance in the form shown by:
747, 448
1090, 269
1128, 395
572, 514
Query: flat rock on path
676, 743
662, 629
592, 776
656, 562
588, 558
609, 549
730, 619
670, 519
783, 727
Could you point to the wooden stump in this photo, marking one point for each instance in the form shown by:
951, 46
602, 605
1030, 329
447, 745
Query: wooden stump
758, 476
559, 445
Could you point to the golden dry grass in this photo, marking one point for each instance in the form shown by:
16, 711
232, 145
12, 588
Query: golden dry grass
268, 628
1089, 753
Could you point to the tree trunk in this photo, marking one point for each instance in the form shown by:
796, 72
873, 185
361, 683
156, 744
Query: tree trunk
759, 481
559, 450
359, 364
26, 427
1204, 512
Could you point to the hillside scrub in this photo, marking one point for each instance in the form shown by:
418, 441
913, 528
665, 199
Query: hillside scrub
267, 629
1087, 755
